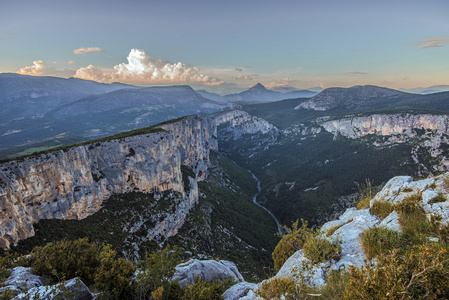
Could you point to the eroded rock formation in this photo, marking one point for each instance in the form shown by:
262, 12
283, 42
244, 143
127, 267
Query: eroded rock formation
72, 184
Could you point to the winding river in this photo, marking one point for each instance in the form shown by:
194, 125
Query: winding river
280, 229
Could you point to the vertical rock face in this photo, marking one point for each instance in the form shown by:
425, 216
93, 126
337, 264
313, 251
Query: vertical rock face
386, 125
429, 135
72, 184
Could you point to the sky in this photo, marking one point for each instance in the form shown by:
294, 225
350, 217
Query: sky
227, 46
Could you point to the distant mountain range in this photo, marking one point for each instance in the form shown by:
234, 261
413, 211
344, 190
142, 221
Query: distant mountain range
40, 112
259, 93
368, 98
428, 90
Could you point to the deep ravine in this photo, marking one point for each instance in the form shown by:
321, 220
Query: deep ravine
280, 229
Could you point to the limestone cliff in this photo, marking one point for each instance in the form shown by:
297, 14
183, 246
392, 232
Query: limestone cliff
429, 134
72, 184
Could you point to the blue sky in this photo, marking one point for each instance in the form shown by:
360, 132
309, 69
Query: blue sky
229, 45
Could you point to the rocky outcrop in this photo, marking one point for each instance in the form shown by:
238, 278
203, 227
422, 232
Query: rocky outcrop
237, 123
427, 134
71, 289
21, 280
206, 270
353, 223
72, 184
405, 125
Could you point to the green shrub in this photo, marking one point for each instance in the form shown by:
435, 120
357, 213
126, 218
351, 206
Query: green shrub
202, 290
319, 249
290, 243
439, 198
413, 220
114, 275
156, 269
378, 241
381, 209
282, 288
336, 286
66, 260
420, 274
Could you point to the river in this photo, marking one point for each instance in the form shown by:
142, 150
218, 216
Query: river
280, 229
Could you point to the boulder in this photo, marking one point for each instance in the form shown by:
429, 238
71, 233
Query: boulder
23, 280
207, 270
239, 290
73, 289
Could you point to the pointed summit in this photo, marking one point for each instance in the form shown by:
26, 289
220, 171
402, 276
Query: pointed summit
258, 86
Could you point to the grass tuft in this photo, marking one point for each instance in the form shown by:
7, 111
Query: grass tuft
381, 209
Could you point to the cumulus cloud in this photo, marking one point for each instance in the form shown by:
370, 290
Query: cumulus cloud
40, 68
243, 77
84, 51
71, 62
433, 42
144, 69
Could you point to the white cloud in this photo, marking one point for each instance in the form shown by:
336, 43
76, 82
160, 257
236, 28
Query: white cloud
144, 69
40, 68
433, 42
83, 51
280, 83
243, 77
71, 62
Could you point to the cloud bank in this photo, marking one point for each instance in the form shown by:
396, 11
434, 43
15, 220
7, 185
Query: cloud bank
144, 69
84, 51
40, 68
431, 43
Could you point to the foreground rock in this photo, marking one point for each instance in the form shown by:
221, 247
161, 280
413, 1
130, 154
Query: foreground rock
206, 270
241, 290
21, 280
72, 289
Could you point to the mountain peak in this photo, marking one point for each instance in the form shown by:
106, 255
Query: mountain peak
258, 86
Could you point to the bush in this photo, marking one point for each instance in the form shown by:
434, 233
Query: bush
202, 290
378, 241
280, 288
336, 286
319, 249
66, 260
381, 209
413, 220
156, 269
114, 275
290, 243
421, 274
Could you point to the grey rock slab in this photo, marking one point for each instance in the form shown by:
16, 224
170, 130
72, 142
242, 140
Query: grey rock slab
392, 188
207, 270
239, 290
349, 234
22, 278
391, 222
73, 289
295, 265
